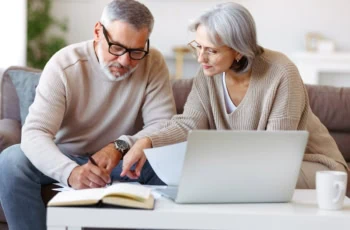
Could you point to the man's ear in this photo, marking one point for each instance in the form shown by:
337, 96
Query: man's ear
97, 29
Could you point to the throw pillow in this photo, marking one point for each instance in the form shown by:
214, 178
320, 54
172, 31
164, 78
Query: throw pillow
25, 83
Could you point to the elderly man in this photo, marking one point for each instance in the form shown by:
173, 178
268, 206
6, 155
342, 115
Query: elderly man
89, 100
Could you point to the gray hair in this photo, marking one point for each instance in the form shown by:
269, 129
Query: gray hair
232, 25
129, 11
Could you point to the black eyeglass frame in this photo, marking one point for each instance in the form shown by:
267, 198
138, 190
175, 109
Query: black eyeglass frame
126, 50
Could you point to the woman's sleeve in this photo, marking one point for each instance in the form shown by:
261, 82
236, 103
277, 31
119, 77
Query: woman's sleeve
289, 108
193, 117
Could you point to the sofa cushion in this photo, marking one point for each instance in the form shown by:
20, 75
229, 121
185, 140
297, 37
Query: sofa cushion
181, 89
332, 106
24, 81
9, 103
342, 139
10, 133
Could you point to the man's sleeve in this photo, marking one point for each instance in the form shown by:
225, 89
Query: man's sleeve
42, 123
159, 104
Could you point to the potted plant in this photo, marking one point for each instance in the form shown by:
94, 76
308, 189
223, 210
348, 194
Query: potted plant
42, 43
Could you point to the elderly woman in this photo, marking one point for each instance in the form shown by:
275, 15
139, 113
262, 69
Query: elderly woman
242, 86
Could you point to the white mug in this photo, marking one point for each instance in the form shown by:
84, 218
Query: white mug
330, 189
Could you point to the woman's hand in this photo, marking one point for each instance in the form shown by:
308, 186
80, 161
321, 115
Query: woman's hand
135, 155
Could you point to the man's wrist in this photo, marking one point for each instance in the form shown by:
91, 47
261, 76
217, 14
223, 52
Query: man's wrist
121, 146
115, 151
70, 177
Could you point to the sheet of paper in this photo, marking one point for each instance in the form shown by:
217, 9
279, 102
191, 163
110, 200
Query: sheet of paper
66, 188
62, 187
167, 162
155, 190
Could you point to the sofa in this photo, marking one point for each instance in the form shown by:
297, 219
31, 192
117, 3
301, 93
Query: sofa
17, 92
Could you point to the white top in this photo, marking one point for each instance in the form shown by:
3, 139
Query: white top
230, 107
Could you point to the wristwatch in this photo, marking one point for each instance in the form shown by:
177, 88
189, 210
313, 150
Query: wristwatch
122, 146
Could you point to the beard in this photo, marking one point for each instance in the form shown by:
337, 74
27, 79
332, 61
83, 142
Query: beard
115, 75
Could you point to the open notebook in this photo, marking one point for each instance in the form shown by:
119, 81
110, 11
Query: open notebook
121, 194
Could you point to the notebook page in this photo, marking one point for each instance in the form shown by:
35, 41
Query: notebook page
129, 190
77, 196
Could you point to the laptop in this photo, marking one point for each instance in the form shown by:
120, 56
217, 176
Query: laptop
239, 167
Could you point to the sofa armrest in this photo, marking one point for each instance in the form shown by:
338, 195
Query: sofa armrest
10, 133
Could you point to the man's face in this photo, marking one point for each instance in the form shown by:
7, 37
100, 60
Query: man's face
122, 33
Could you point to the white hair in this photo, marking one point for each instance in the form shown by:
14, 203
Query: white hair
129, 11
232, 25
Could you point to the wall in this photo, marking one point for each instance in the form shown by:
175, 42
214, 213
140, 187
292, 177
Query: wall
281, 24
13, 18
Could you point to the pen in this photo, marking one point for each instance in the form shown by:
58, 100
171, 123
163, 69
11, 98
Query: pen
94, 163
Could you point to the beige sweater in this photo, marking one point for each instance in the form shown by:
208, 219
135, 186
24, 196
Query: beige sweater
77, 110
275, 100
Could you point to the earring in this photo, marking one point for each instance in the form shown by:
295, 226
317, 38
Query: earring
238, 58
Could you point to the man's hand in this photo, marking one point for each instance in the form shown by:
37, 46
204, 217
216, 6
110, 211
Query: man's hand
108, 157
88, 176
135, 155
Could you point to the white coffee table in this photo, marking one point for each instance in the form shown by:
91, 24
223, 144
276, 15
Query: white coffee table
301, 213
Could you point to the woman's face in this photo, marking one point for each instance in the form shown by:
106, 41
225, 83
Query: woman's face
214, 59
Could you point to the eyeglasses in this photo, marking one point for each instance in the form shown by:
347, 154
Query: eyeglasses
119, 50
197, 48
209, 52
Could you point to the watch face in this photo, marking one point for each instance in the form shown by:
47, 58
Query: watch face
122, 145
